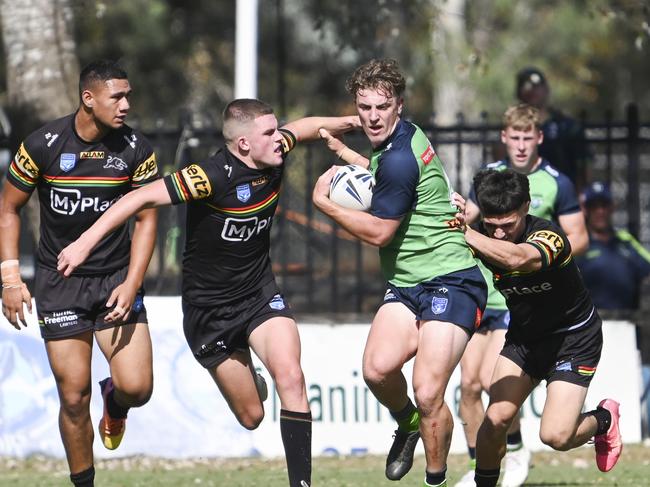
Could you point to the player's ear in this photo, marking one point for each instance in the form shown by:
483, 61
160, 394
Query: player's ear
400, 105
87, 99
243, 144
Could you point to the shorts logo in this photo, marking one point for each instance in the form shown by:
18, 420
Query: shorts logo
277, 302
115, 163
439, 305
60, 319
586, 370
67, 161
563, 366
138, 304
243, 192
389, 295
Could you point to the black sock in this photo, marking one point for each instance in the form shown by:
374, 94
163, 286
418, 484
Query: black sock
604, 418
486, 477
404, 416
436, 478
296, 437
85, 478
472, 452
114, 409
514, 439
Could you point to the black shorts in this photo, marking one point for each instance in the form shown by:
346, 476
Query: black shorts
570, 357
458, 298
69, 306
214, 333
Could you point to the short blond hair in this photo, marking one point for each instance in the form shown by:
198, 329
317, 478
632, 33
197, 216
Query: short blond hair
522, 117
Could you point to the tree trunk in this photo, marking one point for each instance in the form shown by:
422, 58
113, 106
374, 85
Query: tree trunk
42, 72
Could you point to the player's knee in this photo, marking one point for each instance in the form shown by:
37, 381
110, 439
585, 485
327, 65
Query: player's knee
375, 370
290, 377
429, 398
470, 388
134, 392
556, 439
497, 419
75, 404
250, 418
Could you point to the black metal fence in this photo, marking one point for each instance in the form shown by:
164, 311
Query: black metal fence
321, 268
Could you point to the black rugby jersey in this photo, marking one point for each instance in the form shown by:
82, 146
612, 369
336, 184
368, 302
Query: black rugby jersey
229, 214
552, 299
77, 181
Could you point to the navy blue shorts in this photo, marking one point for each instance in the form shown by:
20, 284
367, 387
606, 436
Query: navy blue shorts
68, 306
214, 333
494, 319
457, 298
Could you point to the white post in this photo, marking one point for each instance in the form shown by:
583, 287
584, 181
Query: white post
246, 49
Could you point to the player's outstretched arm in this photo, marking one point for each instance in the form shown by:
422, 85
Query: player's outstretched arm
335, 144
149, 196
504, 254
306, 129
14, 290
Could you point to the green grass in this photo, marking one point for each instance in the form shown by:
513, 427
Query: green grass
550, 469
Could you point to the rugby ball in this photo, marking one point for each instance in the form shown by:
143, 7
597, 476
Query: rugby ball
352, 187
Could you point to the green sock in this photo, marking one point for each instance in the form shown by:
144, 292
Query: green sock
412, 423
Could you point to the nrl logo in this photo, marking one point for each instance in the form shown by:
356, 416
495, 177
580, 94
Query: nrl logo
115, 163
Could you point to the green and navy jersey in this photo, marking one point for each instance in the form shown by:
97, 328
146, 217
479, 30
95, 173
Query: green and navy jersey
77, 181
614, 270
411, 184
553, 299
552, 195
230, 209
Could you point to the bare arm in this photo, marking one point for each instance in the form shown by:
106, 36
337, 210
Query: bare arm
149, 196
508, 255
342, 151
472, 213
306, 129
14, 291
576, 231
372, 230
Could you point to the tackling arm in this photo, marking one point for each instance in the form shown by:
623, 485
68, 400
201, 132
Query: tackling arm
504, 254
149, 196
306, 129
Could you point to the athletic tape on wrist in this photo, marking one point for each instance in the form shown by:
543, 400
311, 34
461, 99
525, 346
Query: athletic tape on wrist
9, 263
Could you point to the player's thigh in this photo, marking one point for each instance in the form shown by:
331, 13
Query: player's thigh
495, 341
392, 340
440, 346
234, 378
473, 357
509, 389
277, 343
562, 408
127, 349
70, 361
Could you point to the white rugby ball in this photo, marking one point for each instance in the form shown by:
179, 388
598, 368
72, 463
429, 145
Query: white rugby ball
352, 187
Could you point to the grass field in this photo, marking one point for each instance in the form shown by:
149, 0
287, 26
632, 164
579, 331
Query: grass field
575, 468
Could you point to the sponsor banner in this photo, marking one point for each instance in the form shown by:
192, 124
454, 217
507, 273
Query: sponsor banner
187, 417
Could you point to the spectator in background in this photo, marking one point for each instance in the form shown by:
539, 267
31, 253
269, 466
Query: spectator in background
564, 143
615, 266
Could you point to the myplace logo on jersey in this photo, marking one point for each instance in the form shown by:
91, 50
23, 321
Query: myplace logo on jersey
243, 229
243, 192
525, 290
67, 161
69, 202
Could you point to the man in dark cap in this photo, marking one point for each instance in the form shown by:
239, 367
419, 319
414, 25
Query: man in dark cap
564, 143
